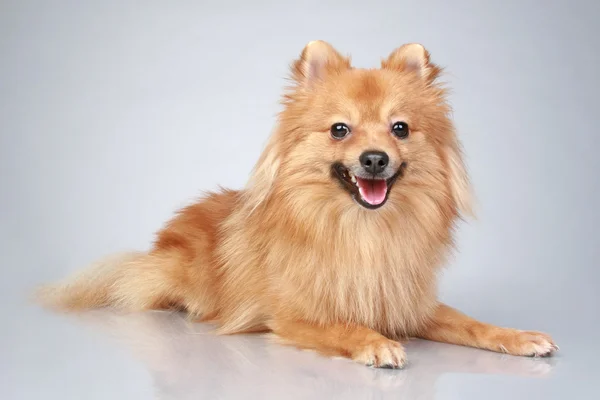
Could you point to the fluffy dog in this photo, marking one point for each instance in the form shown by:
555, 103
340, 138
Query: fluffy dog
335, 242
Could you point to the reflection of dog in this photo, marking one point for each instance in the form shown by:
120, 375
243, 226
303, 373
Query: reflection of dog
187, 362
335, 243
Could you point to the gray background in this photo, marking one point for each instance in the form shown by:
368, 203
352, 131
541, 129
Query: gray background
112, 115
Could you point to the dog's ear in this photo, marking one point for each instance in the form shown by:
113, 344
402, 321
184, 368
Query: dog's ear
460, 185
412, 57
318, 59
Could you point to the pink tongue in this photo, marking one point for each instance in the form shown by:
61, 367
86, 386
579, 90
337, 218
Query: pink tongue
373, 191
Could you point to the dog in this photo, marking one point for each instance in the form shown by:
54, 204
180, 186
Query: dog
335, 242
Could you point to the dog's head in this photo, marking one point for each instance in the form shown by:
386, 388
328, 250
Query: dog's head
363, 137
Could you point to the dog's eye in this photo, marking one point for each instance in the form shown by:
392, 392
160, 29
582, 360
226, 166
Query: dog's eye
400, 130
339, 130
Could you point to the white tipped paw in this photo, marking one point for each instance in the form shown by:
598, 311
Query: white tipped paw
381, 353
527, 343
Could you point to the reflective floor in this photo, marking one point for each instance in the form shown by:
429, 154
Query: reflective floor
101, 355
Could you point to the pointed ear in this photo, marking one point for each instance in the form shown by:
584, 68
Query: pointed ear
412, 57
317, 60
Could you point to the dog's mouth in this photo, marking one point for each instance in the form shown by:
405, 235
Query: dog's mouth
370, 193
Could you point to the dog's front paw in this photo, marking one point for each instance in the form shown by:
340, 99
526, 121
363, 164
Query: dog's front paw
381, 353
526, 343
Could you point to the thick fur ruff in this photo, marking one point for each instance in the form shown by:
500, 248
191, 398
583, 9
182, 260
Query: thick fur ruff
292, 252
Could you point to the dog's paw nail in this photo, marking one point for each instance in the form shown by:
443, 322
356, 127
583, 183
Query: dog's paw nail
527, 343
381, 353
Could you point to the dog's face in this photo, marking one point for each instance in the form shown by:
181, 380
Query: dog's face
364, 129
365, 136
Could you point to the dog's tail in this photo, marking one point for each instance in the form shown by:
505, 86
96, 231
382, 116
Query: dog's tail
131, 281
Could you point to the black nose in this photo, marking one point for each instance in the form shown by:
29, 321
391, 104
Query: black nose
374, 162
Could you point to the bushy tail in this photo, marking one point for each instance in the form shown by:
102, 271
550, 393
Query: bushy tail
132, 281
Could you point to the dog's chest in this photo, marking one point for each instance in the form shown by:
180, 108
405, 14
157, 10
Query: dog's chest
386, 285
365, 269
387, 290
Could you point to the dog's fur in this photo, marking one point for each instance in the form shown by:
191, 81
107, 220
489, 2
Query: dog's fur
293, 254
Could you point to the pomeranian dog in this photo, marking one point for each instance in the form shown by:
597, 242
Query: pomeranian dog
336, 241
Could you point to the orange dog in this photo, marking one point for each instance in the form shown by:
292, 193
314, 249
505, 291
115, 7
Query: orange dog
335, 243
